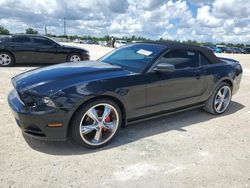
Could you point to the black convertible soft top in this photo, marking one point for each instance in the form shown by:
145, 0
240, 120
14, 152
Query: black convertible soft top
180, 46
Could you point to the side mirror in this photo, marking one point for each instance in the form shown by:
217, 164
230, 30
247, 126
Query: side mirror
164, 67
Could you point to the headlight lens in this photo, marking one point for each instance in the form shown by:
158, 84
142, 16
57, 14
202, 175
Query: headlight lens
34, 101
48, 102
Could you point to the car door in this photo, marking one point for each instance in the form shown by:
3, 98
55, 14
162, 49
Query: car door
180, 88
44, 50
22, 49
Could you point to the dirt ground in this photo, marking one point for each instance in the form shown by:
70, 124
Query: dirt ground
190, 149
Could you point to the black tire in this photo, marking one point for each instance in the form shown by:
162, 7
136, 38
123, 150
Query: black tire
7, 56
74, 54
210, 104
77, 119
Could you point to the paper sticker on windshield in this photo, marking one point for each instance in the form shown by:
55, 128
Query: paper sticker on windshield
144, 52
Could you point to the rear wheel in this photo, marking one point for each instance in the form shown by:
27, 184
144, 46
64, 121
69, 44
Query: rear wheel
96, 123
74, 57
6, 59
219, 100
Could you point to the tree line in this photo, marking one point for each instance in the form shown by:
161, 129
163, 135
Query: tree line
4, 31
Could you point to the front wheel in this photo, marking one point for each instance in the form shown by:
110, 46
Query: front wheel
96, 123
219, 100
74, 57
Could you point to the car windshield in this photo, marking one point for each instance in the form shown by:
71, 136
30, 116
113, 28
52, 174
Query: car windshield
133, 57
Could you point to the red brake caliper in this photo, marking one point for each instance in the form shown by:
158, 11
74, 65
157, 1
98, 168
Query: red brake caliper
106, 120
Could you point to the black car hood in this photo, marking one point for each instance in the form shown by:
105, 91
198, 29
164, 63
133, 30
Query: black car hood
73, 47
63, 75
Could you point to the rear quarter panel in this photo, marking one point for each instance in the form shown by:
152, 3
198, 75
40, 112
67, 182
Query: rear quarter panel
217, 73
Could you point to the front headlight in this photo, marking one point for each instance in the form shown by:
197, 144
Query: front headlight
35, 101
48, 102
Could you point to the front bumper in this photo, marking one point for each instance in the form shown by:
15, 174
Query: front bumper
35, 123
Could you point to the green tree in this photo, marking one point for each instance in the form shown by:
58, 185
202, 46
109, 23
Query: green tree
31, 31
4, 31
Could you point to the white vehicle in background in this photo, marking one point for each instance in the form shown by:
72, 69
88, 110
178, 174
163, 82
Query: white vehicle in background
76, 41
136, 41
103, 43
119, 43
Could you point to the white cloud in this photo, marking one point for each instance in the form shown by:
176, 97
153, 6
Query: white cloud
127, 26
212, 20
205, 19
118, 6
201, 2
151, 4
231, 9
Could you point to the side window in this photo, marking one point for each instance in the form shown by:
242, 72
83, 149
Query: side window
182, 59
22, 39
42, 41
203, 60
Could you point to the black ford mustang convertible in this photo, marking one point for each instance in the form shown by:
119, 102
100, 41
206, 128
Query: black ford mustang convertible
89, 102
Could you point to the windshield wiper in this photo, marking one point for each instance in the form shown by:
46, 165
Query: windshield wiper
114, 64
107, 62
110, 63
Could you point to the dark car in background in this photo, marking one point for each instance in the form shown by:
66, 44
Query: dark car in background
225, 49
90, 101
232, 50
88, 42
214, 49
17, 49
242, 51
247, 50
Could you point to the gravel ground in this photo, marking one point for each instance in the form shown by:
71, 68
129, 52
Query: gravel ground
189, 149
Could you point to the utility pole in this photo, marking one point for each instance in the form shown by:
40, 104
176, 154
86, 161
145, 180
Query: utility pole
64, 24
46, 33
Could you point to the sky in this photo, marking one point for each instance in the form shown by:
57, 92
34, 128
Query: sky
206, 21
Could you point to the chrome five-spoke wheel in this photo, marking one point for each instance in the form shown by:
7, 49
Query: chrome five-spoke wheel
96, 123
222, 99
99, 124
